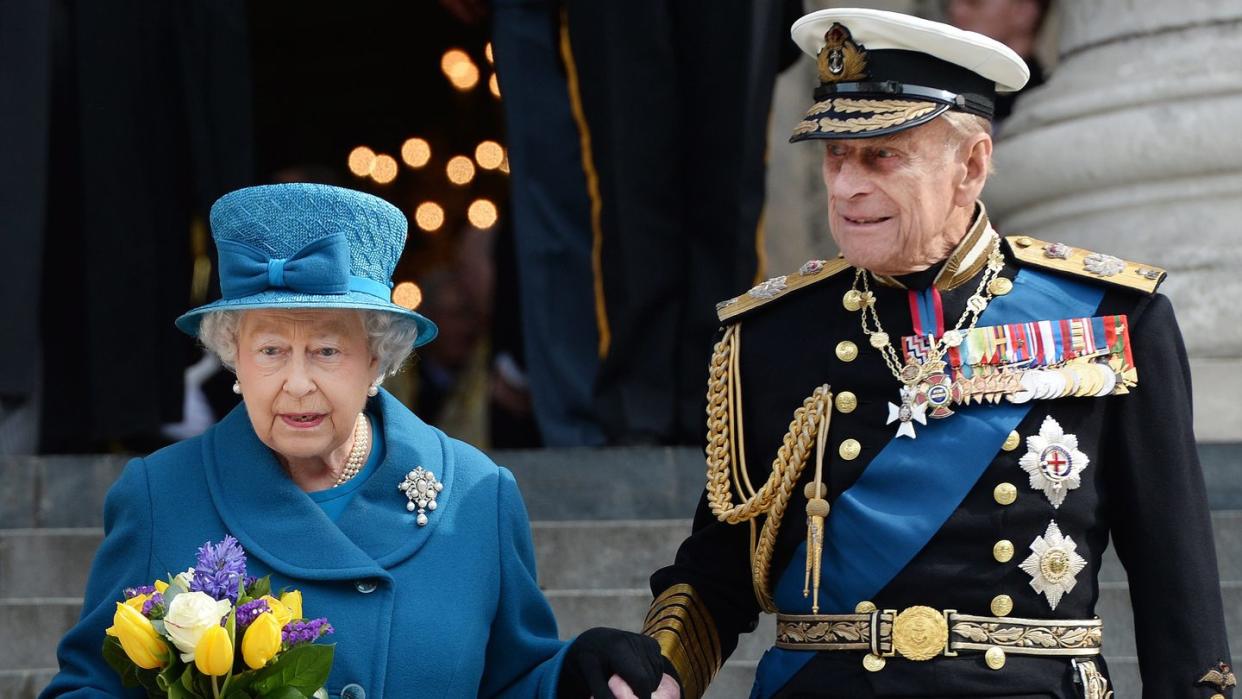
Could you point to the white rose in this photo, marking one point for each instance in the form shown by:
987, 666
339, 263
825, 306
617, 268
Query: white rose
191, 614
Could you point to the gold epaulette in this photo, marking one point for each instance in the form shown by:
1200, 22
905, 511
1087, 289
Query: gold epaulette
1066, 259
776, 287
679, 621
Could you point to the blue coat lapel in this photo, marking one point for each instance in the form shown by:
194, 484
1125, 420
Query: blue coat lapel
279, 524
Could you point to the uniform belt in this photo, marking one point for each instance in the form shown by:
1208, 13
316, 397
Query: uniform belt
922, 633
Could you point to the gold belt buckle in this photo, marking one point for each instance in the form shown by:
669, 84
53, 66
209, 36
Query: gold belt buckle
919, 633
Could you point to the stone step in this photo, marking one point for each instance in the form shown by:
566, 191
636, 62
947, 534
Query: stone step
24, 684
570, 554
557, 484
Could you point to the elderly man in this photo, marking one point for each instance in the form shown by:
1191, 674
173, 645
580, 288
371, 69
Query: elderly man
917, 453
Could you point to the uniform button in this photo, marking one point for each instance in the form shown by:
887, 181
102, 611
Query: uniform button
850, 449
353, 691
1002, 551
1005, 494
847, 351
852, 300
846, 402
995, 658
1002, 605
864, 607
874, 663
1024, 242
1000, 286
1218, 696
1012, 441
366, 587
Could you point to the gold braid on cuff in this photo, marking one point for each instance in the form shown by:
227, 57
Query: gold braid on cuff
726, 460
679, 621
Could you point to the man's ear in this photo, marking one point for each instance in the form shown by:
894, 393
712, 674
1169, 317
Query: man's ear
977, 152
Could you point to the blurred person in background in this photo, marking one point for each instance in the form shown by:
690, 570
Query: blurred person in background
1014, 23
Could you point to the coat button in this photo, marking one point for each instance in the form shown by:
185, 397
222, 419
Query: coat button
1000, 286
1005, 494
850, 449
864, 607
1012, 441
846, 402
353, 691
995, 658
1002, 551
1002, 605
366, 587
847, 351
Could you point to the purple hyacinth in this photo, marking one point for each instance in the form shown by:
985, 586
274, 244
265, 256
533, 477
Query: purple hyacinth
153, 608
132, 592
304, 631
220, 570
248, 612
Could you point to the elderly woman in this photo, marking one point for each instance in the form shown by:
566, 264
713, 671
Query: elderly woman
430, 598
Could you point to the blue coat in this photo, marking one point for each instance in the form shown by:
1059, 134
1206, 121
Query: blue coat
451, 609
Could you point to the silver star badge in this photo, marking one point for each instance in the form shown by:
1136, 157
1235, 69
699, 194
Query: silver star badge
420, 488
1053, 564
907, 413
1053, 461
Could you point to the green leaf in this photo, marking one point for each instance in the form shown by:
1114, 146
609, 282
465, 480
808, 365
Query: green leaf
283, 693
304, 668
262, 586
116, 658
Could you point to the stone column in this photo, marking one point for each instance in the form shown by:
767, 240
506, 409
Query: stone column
1134, 148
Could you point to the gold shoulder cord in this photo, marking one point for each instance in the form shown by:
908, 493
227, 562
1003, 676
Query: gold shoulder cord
726, 466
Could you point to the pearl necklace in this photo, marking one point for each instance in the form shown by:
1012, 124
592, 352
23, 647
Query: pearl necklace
358, 454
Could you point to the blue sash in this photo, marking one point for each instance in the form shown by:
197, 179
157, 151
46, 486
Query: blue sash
912, 486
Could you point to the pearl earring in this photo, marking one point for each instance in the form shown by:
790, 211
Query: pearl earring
237, 388
373, 390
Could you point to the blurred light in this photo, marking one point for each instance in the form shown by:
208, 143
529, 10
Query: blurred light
494, 86
489, 155
415, 152
504, 165
459, 69
451, 59
487, 51
482, 214
385, 169
361, 160
429, 216
407, 295
460, 169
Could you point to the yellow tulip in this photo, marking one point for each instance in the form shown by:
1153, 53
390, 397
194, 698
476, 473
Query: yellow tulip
160, 586
262, 641
214, 653
293, 600
279, 610
138, 638
137, 601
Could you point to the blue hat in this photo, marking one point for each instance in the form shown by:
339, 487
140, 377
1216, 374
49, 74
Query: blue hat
306, 246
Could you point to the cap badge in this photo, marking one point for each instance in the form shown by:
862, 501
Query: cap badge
841, 59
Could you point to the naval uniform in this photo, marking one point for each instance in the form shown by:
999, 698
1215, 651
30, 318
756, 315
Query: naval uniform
945, 521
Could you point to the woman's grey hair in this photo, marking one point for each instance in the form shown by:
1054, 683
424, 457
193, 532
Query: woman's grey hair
390, 337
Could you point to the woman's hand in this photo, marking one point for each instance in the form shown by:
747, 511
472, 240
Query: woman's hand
612, 664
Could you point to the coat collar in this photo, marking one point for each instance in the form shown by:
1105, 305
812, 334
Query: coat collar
965, 262
278, 523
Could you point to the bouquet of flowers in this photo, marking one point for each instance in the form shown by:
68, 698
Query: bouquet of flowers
213, 631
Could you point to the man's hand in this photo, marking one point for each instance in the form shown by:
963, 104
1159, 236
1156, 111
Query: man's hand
606, 663
668, 688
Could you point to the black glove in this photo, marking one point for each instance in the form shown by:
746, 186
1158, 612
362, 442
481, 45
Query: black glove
599, 653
